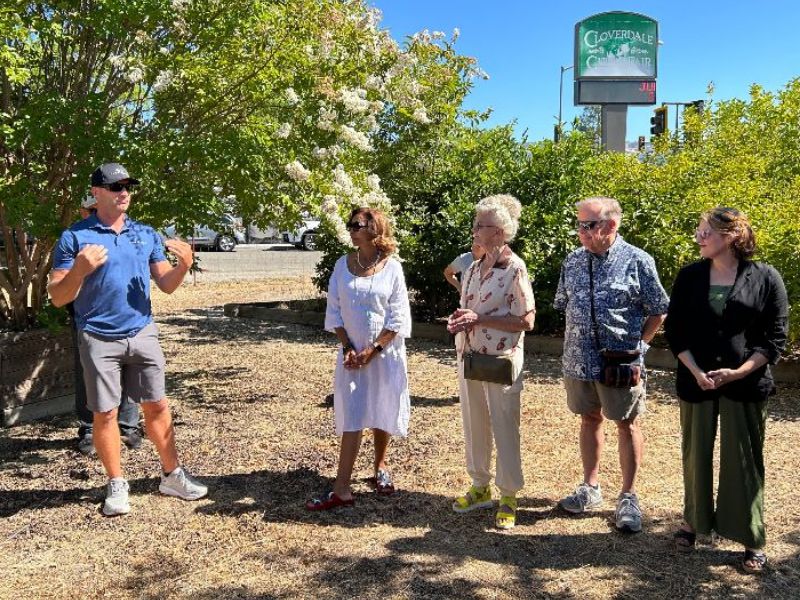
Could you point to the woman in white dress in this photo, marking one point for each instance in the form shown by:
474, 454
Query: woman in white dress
368, 310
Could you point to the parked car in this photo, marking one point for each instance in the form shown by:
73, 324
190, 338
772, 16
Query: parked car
255, 235
303, 237
224, 237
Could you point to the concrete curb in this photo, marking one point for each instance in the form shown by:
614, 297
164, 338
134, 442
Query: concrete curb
659, 358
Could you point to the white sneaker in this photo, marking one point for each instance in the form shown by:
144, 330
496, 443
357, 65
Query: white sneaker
628, 515
116, 502
181, 484
583, 499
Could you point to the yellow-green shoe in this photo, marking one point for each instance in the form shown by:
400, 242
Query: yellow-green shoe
506, 516
476, 497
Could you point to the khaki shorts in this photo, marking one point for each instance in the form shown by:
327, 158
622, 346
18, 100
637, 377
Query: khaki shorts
617, 404
130, 366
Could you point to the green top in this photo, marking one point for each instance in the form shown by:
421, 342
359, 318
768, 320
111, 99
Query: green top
717, 294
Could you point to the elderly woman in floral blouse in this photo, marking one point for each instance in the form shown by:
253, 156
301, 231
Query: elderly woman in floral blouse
497, 307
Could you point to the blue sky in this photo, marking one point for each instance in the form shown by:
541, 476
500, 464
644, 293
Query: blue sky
523, 44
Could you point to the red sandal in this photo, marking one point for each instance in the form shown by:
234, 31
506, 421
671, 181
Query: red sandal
327, 502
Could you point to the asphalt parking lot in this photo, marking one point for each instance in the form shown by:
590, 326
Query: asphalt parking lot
256, 261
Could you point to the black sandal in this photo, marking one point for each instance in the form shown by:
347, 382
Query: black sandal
753, 562
684, 540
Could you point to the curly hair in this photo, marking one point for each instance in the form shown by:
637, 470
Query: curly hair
506, 210
379, 227
734, 224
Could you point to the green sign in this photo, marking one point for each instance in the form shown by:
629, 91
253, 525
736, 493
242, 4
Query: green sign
616, 44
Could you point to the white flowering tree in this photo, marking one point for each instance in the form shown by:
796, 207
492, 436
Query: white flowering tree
274, 107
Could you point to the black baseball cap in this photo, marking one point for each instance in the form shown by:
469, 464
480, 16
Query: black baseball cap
111, 173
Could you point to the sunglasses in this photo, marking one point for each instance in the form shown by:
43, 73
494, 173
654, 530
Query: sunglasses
356, 226
588, 225
118, 187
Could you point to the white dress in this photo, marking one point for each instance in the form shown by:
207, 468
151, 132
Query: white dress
375, 396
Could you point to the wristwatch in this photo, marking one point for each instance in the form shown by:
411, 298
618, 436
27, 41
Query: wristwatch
377, 346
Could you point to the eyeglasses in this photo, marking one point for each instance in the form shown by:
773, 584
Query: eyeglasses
702, 234
588, 225
477, 225
118, 187
356, 226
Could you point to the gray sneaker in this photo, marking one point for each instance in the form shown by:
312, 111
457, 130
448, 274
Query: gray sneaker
628, 515
584, 498
116, 498
181, 484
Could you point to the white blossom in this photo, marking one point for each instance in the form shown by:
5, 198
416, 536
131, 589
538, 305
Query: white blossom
284, 131
163, 80
327, 119
456, 33
355, 138
116, 61
421, 116
297, 171
376, 106
438, 35
291, 96
164, 50
134, 75
329, 205
355, 100
371, 123
320, 153
179, 5
377, 199
342, 182
374, 82
374, 183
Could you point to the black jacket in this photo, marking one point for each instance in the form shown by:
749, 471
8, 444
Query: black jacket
755, 319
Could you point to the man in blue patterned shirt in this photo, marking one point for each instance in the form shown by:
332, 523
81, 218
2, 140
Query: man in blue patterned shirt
629, 306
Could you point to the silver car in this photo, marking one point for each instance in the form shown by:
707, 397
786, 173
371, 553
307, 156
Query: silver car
223, 237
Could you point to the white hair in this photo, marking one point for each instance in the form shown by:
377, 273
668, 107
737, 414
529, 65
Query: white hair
609, 207
506, 211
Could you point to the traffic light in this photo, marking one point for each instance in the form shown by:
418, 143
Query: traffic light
641, 143
658, 122
698, 106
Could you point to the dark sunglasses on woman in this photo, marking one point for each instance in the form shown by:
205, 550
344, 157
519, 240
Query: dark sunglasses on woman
356, 226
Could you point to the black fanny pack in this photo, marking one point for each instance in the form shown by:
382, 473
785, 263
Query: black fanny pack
619, 368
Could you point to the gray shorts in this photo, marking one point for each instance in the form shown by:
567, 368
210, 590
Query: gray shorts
617, 404
133, 367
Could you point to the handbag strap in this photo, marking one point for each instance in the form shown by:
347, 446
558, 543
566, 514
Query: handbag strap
463, 303
595, 335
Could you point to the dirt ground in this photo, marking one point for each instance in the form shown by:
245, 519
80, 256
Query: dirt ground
254, 420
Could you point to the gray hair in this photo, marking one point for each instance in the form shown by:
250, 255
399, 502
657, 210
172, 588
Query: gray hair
609, 207
506, 211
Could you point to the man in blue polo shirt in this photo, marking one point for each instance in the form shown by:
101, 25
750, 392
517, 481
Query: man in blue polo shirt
103, 265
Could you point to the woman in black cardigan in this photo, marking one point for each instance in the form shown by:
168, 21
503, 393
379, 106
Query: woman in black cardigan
727, 322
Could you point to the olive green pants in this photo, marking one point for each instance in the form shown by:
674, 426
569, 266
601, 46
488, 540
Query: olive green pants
739, 514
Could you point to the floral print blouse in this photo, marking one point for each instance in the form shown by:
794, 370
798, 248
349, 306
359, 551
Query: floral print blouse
502, 291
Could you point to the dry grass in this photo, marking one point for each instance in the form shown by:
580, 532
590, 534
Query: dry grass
253, 418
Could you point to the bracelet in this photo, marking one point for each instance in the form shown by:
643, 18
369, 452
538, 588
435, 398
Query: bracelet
347, 347
377, 346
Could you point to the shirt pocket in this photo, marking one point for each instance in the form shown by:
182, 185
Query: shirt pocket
619, 295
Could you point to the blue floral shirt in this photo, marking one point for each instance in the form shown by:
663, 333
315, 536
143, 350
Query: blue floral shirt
626, 292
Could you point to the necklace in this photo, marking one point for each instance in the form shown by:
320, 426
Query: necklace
372, 266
